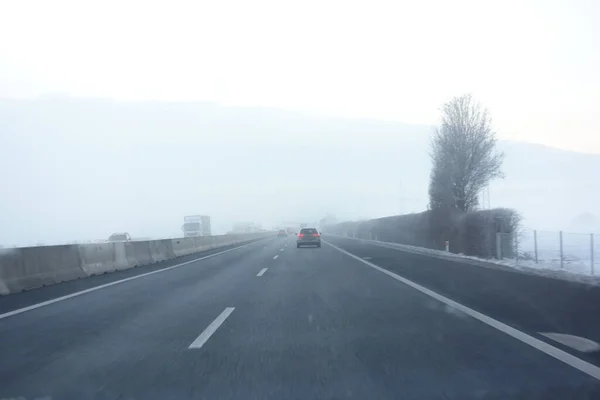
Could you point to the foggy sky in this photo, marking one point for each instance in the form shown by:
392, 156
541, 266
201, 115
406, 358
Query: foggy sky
534, 63
135, 114
83, 169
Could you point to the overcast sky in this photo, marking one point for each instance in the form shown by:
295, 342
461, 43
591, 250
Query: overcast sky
533, 63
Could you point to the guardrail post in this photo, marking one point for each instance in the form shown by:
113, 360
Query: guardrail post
560, 239
498, 246
447, 243
535, 245
592, 252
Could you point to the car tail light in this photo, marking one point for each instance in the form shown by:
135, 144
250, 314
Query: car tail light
301, 235
316, 234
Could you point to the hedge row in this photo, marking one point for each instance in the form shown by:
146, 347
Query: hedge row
470, 233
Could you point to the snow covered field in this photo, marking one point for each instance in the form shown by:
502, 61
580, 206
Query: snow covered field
580, 252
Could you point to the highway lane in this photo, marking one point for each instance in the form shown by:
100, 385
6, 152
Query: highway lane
315, 324
27, 298
529, 303
105, 332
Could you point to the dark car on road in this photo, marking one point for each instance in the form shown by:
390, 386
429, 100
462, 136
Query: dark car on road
308, 237
282, 233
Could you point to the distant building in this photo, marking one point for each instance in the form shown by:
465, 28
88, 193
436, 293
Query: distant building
196, 225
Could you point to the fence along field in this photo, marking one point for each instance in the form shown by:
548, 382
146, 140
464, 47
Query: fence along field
573, 252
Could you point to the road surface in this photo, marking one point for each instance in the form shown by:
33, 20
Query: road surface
271, 321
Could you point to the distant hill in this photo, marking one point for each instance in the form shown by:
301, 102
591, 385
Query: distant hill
549, 186
80, 169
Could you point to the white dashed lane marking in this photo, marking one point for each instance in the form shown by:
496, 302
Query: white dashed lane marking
211, 329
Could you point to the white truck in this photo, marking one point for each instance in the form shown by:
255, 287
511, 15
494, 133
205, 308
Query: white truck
196, 225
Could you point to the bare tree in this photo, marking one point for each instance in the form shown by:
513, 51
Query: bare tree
464, 155
440, 186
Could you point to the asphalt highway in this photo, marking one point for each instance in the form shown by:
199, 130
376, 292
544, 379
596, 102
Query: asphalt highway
270, 321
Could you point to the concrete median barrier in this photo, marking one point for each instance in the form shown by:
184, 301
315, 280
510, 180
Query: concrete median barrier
203, 243
103, 257
141, 253
130, 254
97, 258
183, 246
30, 267
161, 250
225, 240
220, 240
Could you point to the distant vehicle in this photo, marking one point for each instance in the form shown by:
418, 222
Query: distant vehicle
308, 237
282, 233
119, 237
196, 225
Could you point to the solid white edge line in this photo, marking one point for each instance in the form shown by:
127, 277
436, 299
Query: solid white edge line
275, 258
56, 300
262, 271
208, 332
540, 345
